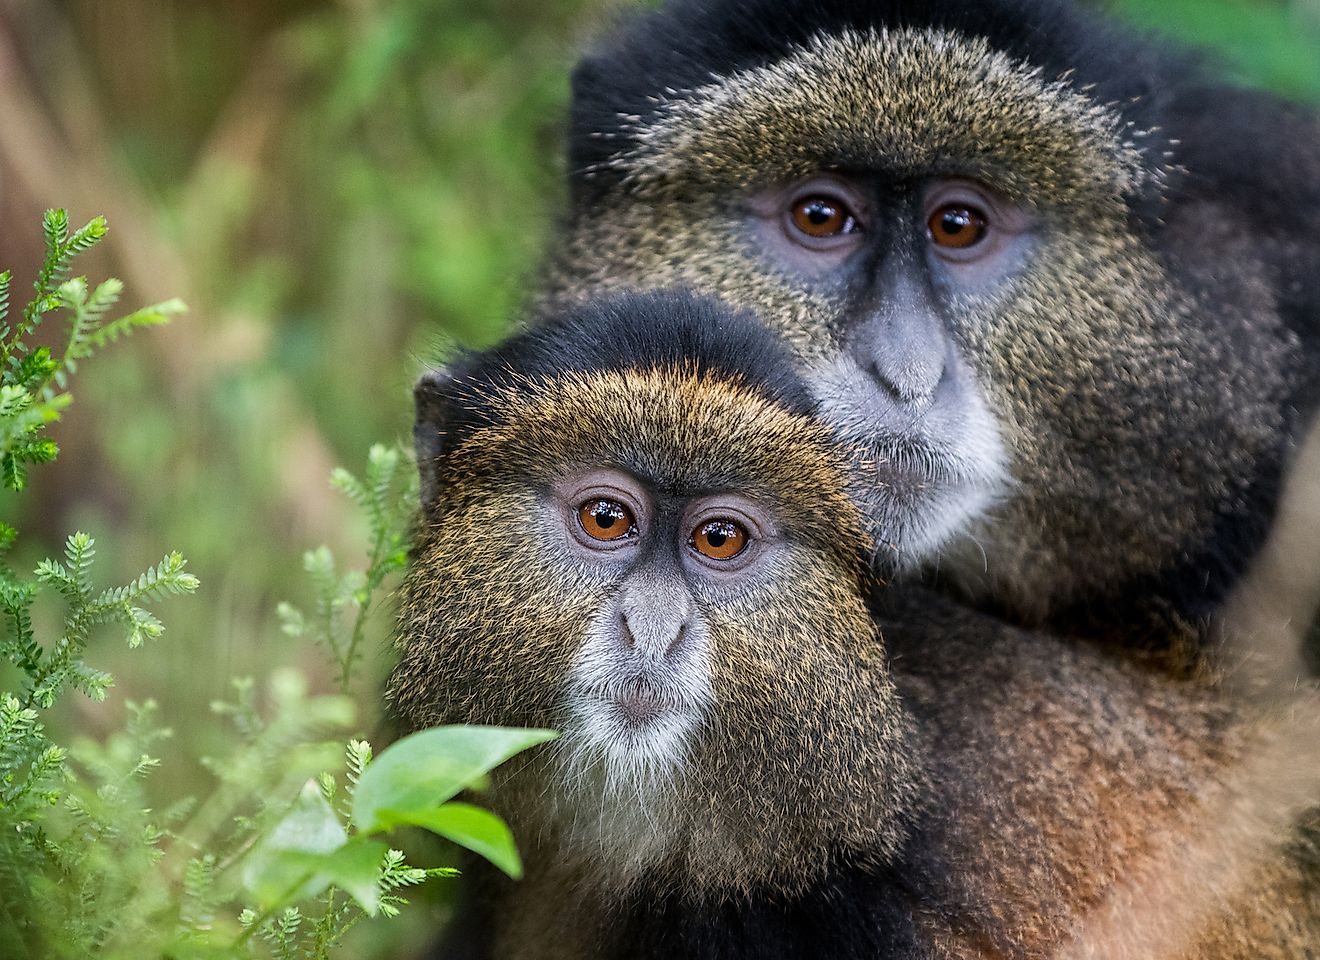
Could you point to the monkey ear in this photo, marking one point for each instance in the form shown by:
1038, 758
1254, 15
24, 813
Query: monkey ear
431, 401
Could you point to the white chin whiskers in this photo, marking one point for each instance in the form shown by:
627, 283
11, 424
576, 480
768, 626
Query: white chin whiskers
625, 749
635, 715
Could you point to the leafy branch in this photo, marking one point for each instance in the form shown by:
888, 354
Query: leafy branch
33, 380
386, 496
87, 865
48, 671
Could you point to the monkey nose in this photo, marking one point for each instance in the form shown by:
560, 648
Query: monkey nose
908, 379
904, 347
908, 367
655, 633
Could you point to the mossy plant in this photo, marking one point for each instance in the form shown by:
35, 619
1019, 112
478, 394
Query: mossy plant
286, 853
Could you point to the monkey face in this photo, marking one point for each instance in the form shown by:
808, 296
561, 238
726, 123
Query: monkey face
641, 680
666, 567
953, 244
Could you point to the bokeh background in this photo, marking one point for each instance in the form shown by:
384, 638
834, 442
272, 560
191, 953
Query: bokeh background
341, 190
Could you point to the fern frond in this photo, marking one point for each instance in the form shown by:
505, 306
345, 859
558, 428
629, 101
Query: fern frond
87, 333
43, 450
55, 225
12, 472
53, 573
85, 237
382, 465
80, 551
20, 646
282, 933
198, 903
32, 370
358, 756
164, 579
43, 770
91, 682
395, 872
152, 316
5, 277
325, 782
292, 621
143, 625
14, 399
60, 251
350, 486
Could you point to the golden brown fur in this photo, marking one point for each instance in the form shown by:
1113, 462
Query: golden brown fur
1006, 796
490, 620
1158, 840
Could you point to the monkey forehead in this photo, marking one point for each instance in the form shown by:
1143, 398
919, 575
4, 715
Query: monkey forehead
676, 427
901, 102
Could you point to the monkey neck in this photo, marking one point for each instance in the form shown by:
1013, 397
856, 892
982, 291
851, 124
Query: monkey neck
1146, 622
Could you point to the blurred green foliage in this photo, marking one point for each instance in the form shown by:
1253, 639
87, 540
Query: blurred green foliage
375, 178
1266, 43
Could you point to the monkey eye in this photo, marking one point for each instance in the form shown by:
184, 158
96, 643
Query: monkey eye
719, 539
957, 226
820, 216
606, 520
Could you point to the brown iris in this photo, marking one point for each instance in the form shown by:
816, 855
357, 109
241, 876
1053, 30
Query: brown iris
822, 216
957, 226
606, 519
719, 539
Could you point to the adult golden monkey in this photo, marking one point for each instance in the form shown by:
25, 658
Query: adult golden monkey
1061, 281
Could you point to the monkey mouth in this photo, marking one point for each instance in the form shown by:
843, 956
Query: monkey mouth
927, 471
632, 716
920, 502
634, 720
638, 702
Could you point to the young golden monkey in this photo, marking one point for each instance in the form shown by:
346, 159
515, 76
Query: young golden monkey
635, 531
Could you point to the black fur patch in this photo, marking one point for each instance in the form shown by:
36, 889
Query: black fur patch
852, 913
638, 331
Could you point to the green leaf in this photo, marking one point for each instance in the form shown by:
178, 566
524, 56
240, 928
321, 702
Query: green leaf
353, 868
311, 827
478, 830
426, 768
12, 474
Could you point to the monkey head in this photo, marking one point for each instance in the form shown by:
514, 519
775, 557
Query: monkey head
1068, 340
634, 532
